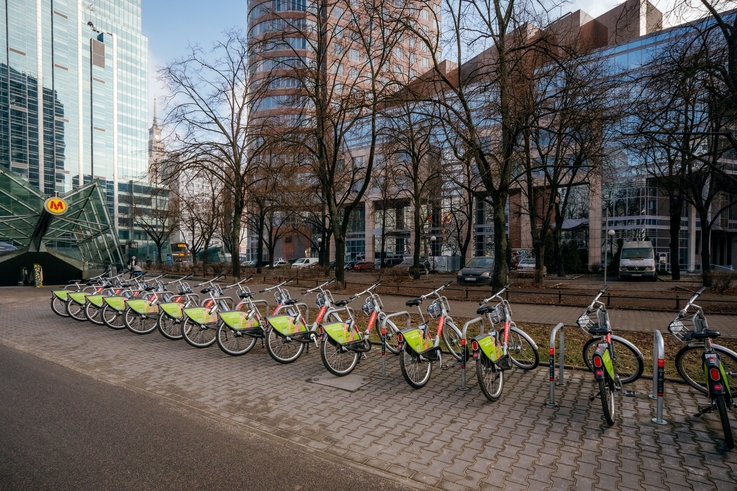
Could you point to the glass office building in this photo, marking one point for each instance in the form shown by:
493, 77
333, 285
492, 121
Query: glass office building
73, 94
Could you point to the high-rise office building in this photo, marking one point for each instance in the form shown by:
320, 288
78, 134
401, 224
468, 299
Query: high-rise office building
73, 94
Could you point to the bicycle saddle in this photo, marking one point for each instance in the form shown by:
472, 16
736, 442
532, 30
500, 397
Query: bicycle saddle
205, 290
245, 295
705, 334
486, 309
414, 303
291, 301
341, 303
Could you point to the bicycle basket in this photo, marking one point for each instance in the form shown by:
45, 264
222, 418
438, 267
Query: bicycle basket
585, 322
368, 307
434, 309
682, 328
320, 300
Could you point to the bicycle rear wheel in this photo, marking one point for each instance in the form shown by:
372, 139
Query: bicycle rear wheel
722, 407
630, 364
170, 328
522, 350
112, 318
140, 324
416, 370
199, 336
282, 348
338, 360
491, 379
691, 370
452, 339
606, 392
93, 314
233, 342
75, 310
59, 306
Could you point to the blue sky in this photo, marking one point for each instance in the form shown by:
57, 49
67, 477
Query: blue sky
171, 25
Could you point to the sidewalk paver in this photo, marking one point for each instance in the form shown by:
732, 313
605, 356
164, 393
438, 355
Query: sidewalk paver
437, 437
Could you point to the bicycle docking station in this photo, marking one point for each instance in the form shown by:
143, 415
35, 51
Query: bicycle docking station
464, 348
561, 356
658, 376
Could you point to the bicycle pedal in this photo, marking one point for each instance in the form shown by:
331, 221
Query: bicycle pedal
630, 393
444, 367
594, 396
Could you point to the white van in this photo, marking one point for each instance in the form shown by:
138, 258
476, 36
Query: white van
305, 262
637, 260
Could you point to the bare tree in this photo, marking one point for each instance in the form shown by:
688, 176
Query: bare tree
210, 131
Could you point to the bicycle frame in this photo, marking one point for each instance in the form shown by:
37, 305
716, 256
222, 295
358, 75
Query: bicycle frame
495, 349
418, 338
294, 324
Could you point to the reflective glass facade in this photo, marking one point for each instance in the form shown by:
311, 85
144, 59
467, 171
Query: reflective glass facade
73, 93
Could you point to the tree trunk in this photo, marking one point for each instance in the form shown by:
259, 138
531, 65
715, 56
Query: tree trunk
705, 249
417, 242
340, 260
676, 205
500, 244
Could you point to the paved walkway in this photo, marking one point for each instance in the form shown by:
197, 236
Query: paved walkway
437, 437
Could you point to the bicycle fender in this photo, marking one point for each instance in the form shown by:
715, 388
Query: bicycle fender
142, 307
341, 333
117, 303
239, 319
61, 294
603, 351
78, 297
416, 339
172, 309
285, 324
95, 300
200, 315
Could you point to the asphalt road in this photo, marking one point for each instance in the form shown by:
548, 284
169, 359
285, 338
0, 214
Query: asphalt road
60, 429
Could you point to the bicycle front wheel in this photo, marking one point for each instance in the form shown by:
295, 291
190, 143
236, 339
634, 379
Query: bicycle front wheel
75, 310
491, 379
59, 306
722, 407
170, 328
416, 370
392, 338
606, 392
282, 348
338, 360
199, 336
522, 350
112, 318
93, 314
452, 338
234, 343
691, 369
140, 324
630, 364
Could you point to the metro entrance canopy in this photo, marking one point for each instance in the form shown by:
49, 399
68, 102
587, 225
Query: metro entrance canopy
70, 236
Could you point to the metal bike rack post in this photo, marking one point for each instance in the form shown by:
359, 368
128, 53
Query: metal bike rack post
464, 348
658, 376
561, 356
383, 336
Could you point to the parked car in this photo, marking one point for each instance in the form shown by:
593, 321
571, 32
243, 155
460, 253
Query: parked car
363, 266
637, 260
280, 263
305, 262
478, 271
526, 266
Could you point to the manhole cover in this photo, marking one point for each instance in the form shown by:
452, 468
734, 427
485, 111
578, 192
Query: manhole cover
351, 382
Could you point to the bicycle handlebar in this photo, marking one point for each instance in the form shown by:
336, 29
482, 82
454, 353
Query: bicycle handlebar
367, 290
596, 298
497, 294
319, 287
696, 295
180, 279
435, 291
210, 281
288, 280
237, 284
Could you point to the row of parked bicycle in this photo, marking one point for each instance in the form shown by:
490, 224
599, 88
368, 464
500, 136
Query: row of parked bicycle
144, 305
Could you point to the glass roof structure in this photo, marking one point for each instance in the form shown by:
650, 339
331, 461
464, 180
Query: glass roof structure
84, 232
